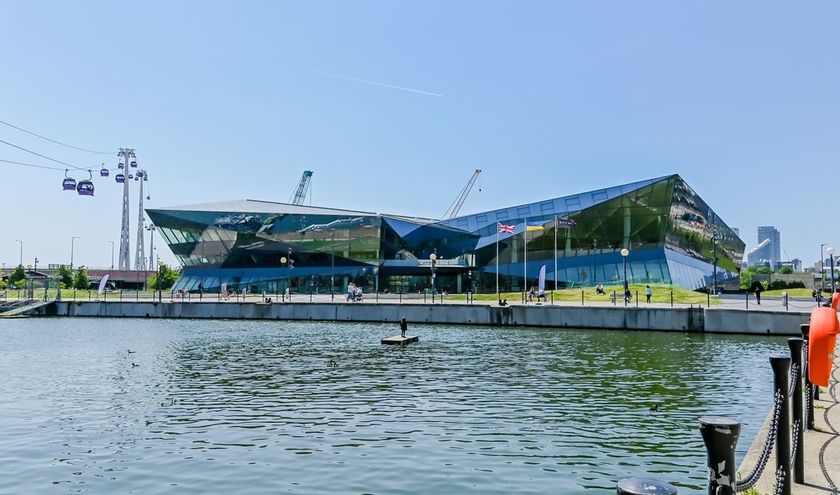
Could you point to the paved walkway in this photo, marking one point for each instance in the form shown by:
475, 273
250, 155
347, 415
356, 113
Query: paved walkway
822, 448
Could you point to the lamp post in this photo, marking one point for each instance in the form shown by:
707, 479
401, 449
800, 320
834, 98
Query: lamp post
283, 261
714, 257
822, 267
160, 291
112, 255
830, 252
201, 282
332, 267
21, 252
624, 253
72, 245
433, 258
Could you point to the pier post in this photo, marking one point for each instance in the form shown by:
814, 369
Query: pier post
721, 436
795, 345
781, 367
805, 328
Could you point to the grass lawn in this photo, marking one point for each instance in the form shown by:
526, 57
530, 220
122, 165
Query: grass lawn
661, 294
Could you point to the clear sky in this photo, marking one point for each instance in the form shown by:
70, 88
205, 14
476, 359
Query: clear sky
393, 105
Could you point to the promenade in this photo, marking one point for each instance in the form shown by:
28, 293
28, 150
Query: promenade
821, 447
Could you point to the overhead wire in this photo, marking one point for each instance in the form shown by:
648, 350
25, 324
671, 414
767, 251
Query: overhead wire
42, 156
54, 141
32, 165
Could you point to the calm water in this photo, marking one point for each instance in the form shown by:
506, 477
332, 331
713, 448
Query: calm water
251, 407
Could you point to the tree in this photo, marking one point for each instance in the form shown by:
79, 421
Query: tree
786, 270
17, 276
81, 280
65, 276
168, 277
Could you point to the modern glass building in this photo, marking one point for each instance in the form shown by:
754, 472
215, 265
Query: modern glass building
668, 233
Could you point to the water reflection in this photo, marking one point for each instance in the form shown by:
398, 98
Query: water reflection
215, 406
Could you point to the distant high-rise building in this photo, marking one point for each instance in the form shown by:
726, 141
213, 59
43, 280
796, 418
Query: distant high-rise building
769, 248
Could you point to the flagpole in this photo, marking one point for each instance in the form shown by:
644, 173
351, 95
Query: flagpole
525, 264
555, 252
498, 292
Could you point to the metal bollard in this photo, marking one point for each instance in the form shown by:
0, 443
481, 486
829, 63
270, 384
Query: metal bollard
795, 345
721, 436
644, 486
781, 367
805, 328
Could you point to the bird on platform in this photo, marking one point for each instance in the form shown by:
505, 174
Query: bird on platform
654, 408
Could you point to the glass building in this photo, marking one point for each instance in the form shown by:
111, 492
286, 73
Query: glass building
669, 234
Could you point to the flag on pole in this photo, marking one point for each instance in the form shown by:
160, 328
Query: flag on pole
541, 281
531, 226
506, 229
565, 223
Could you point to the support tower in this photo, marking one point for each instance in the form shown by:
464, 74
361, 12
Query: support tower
127, 156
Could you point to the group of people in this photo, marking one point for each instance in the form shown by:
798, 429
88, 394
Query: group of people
628, 296
533, 293
354, 292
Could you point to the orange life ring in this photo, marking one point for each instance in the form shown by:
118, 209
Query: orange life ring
821, 341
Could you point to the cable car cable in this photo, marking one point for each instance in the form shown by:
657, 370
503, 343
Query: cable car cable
54, 141
42, 156
31, 165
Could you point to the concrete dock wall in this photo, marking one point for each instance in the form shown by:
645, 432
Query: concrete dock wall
616, 318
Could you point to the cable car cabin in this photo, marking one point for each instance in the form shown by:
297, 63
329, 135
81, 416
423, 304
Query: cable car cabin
85, 188
139, 173
68, 184
121, 165
120, 178
130, 176
145, 177
104, 172
133, 164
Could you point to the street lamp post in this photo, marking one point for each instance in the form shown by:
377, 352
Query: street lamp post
72, 246
822, 267
332, 267
283, 261
830, 252
160, 291
21, 252
624, 253
433, 258
112, 255
201, 283
714, 258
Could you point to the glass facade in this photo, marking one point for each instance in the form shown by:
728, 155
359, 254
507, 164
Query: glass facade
671, 234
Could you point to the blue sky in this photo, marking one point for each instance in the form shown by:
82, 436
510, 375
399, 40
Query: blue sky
234, 100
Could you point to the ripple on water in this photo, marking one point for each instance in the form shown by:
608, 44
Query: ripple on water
215, 406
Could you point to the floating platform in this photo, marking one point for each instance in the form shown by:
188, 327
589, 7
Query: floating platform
400, 340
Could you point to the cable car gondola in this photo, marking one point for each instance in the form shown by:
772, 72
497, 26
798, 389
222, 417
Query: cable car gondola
130, 176
133, 164
69, 183
145, 176
140, 173
85, 187
104, 171
121, 165
120, 178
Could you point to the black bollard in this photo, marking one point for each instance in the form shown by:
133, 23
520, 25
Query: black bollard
795, 345
805, 328
781, 367
644, 486
721, 436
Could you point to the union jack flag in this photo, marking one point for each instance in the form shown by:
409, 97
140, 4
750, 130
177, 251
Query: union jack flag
506, 229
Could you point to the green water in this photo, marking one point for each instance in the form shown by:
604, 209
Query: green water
216, 407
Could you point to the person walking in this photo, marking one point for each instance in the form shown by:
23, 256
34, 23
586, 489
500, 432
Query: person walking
403, 326
648, 293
